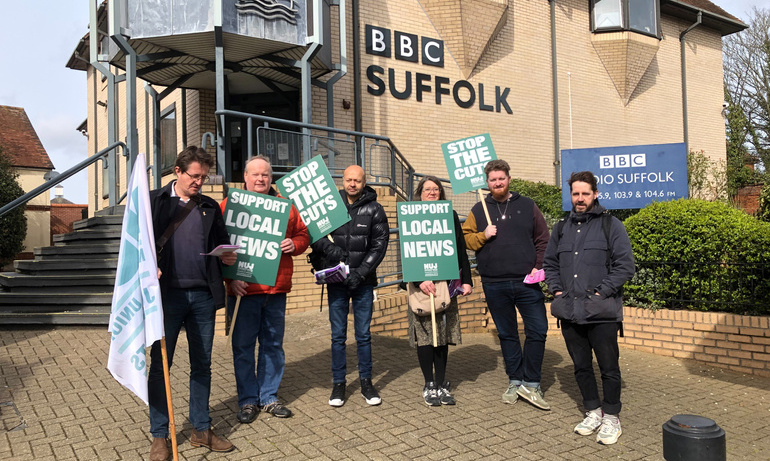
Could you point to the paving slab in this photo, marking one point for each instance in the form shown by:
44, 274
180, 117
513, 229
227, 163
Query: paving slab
59, 402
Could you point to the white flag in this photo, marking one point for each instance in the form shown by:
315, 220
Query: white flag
136, 320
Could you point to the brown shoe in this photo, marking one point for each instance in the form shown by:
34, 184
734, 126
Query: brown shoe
159, 449
209, 440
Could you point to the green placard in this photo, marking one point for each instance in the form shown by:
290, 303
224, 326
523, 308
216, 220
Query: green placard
428, 247
256, 222
465, 160
313, 192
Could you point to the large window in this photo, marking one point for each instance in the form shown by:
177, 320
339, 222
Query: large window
168, 148
636, 15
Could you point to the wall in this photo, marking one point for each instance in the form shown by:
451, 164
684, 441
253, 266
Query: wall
37, 212
63, 215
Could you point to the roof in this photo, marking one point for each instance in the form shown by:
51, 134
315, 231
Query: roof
19, 140
712, 15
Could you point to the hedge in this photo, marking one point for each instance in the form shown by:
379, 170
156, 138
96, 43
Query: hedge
706, 255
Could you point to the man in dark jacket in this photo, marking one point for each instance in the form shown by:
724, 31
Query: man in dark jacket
587, 261
187, 224
361, 243
509, 248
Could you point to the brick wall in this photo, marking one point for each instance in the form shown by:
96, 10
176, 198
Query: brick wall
63, 215
738, 343
748, 199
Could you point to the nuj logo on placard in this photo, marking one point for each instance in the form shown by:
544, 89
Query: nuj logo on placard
324, 224
245, 269
430, 268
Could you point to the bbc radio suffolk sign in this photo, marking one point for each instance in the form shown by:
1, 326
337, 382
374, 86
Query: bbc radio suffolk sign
629, 176
312, 190
465, 161
428, 247
257, 223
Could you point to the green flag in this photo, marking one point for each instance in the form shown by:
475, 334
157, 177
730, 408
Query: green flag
257, 223
312, 189
428, 247
465, 160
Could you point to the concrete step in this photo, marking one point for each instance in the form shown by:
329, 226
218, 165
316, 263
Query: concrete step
61, 308
67, 267
73, 251
22, 283
109, 221
87, 235
56, 318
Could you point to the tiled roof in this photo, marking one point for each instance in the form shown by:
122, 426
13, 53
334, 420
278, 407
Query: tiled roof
19, 140
706, 5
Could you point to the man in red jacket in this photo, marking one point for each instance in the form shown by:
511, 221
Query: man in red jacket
261, 314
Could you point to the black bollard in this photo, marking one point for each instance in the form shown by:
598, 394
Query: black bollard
693, 438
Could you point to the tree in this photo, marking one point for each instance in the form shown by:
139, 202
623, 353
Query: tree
13, 225
747, 86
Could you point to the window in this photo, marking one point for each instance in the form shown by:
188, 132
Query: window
168, 148
635, 15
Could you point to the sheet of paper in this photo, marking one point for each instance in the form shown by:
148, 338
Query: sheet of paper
538, 276
221, 249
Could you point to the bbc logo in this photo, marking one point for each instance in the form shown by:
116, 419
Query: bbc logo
622, 161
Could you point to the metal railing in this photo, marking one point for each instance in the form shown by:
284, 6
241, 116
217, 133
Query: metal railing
731, 287
377, 155
58, 179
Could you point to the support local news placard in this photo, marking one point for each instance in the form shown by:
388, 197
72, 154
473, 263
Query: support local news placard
465, 160
428, 247
257, 223
312, 189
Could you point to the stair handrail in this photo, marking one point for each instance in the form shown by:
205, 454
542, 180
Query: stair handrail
54, 181
396, 154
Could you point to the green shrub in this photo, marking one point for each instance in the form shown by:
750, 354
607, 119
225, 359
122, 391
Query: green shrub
13, 225
708, 248
546, 196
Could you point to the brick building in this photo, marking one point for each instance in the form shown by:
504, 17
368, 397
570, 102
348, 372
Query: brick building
538, 76
22, 146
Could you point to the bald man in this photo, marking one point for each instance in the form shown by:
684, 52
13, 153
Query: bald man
361, 243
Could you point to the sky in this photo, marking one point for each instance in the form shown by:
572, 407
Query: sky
33, 75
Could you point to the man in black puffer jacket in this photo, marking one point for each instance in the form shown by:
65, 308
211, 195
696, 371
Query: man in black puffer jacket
361, 243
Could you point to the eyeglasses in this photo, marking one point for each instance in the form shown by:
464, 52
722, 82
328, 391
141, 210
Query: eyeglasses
433, 189
196, 177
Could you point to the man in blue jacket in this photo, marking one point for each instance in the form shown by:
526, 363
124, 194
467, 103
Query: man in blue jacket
587, 261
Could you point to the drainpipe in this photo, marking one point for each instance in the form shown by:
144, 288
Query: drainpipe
342, 67
685, 128
356, 68
555, 90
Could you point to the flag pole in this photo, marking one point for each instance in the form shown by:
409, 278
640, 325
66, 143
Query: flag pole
484, 205
171, 425
232, 322
433, 319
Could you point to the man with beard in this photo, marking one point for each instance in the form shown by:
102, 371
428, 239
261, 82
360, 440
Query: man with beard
509, 248
587, 261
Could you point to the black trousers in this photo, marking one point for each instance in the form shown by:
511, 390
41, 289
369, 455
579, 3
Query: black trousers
601, 339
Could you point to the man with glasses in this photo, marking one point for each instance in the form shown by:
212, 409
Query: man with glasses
186, 224
509, 248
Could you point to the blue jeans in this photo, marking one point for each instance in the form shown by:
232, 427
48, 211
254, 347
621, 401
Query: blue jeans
529, 299
193, 308
339, 300
261, 317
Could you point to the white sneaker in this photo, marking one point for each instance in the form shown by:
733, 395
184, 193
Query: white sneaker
589, 425
609, 430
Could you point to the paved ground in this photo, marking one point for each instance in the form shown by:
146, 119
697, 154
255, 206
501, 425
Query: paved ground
70, 407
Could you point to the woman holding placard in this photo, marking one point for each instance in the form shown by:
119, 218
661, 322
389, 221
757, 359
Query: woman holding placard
437, 390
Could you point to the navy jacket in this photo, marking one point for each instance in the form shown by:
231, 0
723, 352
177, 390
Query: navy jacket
164, 208
576, 264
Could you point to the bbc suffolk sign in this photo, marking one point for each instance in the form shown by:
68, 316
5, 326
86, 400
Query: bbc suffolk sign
629, 176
